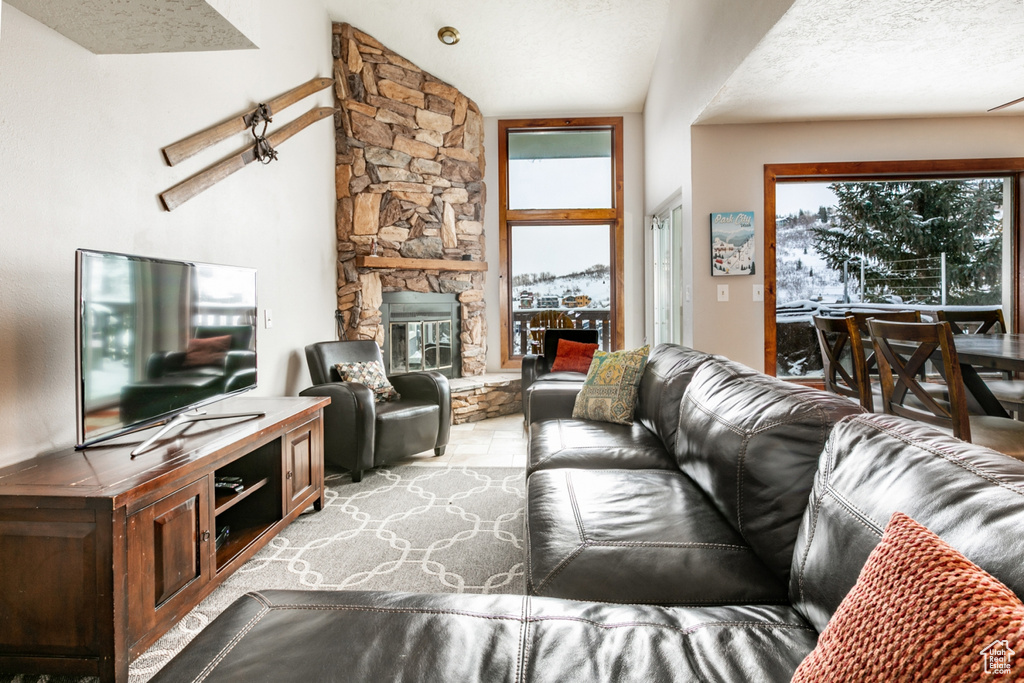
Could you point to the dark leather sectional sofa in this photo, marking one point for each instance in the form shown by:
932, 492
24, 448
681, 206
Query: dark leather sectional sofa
710, 541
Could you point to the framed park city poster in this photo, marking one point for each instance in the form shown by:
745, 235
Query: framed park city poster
732, 243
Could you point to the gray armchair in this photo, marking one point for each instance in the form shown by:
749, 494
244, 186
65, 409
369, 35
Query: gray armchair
360, 434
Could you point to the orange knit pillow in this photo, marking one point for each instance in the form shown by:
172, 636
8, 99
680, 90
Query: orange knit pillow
573, 356
920, 611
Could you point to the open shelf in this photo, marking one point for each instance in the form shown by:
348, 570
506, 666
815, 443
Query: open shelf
239, 540
253, 511
224, 500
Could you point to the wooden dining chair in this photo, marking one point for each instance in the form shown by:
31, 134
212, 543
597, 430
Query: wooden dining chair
837, 341
543, 321
835, 336
1008, 391
902, 349
974, 320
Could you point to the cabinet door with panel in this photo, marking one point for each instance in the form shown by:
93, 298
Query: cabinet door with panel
169, 557
303, 466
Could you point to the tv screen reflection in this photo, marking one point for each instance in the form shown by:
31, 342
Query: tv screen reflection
158, 337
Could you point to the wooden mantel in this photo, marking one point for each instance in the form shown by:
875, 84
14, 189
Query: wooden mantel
418, 263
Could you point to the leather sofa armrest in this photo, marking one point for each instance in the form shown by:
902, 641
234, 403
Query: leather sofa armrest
551, 401
349, 423
533, 367
429, 386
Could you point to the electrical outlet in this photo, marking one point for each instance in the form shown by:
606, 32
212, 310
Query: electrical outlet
723, 292
758, 292
268, 318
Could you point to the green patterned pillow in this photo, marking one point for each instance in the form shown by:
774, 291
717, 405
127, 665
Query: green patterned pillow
609, 393
370, 373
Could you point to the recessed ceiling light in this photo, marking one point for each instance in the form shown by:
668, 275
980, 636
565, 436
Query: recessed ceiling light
448, 35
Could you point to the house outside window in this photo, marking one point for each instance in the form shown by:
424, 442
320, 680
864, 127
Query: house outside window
561, 217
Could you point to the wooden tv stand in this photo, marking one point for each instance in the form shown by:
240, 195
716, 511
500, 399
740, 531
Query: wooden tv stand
100, 554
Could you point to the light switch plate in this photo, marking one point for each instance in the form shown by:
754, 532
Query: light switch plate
758, 292
268, 318
723, 292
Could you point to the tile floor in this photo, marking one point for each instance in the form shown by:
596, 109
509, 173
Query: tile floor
498, 442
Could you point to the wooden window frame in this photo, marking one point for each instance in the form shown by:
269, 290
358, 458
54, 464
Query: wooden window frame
612, 217
938, 169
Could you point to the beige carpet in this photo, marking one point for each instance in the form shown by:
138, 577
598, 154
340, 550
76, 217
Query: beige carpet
408, 528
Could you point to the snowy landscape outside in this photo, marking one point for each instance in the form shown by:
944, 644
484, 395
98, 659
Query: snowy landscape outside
562, 268
835, 254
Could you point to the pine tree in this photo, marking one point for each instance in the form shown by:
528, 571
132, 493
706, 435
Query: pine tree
893, 225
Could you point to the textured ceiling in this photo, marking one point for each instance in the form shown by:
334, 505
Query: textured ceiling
143, 26
825, 59
880, 59
525, 57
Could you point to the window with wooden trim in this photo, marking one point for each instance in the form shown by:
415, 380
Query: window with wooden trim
561, 230
905, 234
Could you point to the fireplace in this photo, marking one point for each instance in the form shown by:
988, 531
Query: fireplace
421, 332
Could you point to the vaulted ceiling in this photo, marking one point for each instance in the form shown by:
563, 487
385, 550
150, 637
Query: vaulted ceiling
824, 59
525, 57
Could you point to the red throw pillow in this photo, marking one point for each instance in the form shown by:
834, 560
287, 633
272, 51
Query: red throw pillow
573, 356
920, 611
206, 351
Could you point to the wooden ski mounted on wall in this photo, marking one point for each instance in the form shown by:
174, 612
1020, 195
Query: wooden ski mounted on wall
182, 192
196, 143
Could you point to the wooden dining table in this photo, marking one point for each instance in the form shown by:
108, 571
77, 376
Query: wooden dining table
1003, 352
997, 351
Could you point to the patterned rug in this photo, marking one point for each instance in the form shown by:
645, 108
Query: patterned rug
407, 528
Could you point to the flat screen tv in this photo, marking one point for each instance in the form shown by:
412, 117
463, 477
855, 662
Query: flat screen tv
157, 338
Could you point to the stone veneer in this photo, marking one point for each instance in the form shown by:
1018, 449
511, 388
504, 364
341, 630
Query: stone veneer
409, 179
486, 396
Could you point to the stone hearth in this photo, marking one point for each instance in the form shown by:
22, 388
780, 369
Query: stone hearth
409, 181
486, 396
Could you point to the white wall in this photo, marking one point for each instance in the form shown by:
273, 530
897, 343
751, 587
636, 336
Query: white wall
80, 139
633, 219
702, 45
728, 175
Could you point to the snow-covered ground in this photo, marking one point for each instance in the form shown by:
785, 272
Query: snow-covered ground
800, 272
597, 288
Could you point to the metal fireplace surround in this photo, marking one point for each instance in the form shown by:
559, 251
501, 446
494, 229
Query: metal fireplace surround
421, 332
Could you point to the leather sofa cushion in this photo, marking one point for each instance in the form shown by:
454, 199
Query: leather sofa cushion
594, 445
669, 371
404, 427
550, 400
875, 465
563, 376
637, 536
752, 442
409, 638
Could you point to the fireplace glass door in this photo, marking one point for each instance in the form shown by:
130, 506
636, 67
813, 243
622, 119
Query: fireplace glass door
423, 345
421, 332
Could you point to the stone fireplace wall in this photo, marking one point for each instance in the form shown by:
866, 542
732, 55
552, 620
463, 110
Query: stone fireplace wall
409, 177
